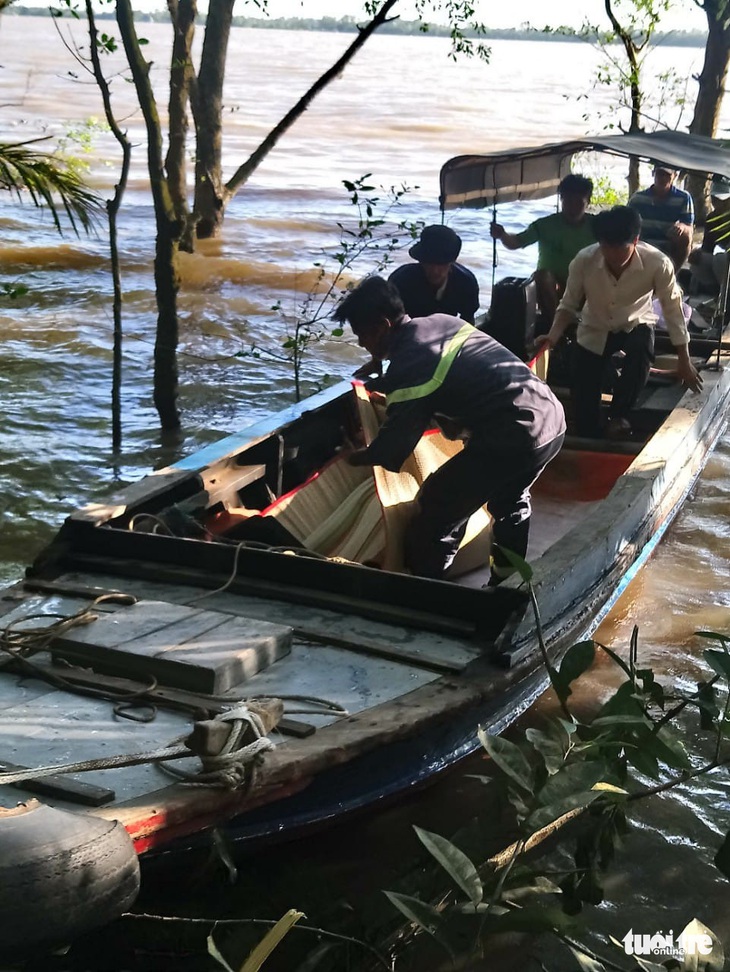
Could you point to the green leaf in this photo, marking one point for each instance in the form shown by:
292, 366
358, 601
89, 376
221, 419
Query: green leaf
422, 914
616, 659
719, 661
644, 762
622, 702
455, 862
609, 788
570, 728
548, 747
539, 885
667, 747
711, 961
519, 564
707, 704
622, 720
714, 636
548, 814
509, 758
534, 919
577, 660
572, 779
255, 960
215, 953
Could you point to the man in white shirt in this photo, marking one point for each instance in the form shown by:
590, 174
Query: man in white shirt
614, 283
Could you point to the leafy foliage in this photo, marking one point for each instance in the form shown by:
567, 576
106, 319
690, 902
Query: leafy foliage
577, 779
49, 182
372, 240
642, 98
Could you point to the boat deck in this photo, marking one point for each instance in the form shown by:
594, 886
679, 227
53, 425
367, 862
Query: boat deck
353, 663
428, 659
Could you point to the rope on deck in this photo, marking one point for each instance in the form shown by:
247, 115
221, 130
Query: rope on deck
232, 768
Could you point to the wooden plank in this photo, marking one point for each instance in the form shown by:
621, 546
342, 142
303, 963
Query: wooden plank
162, 696
141, 620
368, 646
67, 588
204, 651
61, 787
152, 486
662, 399
175, 699
420, 649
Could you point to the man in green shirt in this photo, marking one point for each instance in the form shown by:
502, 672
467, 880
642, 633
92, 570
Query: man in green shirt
559, 238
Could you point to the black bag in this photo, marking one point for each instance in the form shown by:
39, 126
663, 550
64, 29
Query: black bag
513, 313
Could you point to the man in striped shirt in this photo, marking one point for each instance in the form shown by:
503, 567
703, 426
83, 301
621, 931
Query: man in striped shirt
667, 215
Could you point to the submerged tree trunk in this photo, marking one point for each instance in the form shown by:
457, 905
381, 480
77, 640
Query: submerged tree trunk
112, 208
207, 112
182, 75
212, 196
168, 229
711, 81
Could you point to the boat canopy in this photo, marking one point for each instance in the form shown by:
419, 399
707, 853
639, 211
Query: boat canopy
533, 173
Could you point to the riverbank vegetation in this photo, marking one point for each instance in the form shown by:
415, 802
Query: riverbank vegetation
350, 25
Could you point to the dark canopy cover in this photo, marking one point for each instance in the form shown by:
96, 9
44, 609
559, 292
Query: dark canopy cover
533, 173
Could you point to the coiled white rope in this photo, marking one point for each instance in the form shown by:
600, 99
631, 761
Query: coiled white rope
228, 769
234, 765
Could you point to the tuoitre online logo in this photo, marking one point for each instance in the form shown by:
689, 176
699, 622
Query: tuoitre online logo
689, 942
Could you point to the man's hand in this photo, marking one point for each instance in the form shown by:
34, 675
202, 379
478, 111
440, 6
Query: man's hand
679, 231
689, 375
545, 342
496, 230
542, 342
359, 458
371, 367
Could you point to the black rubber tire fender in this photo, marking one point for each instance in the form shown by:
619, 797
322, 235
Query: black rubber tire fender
61, 874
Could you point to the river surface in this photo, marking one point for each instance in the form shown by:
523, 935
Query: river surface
398, 112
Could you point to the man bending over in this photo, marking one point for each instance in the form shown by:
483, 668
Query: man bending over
510, 421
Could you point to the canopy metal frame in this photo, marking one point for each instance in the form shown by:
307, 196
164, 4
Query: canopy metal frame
476, 181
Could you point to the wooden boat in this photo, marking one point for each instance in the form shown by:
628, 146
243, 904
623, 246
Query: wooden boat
216, 602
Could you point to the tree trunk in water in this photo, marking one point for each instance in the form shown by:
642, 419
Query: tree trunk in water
167, 283
632, 50
211, 196
168, 229
711, 90
112, 208
207, 110
182, 75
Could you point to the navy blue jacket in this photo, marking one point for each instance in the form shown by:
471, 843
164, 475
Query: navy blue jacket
486, 390
460, 296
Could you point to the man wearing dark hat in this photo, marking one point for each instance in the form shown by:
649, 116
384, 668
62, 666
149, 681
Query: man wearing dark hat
667, 215
437, 284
